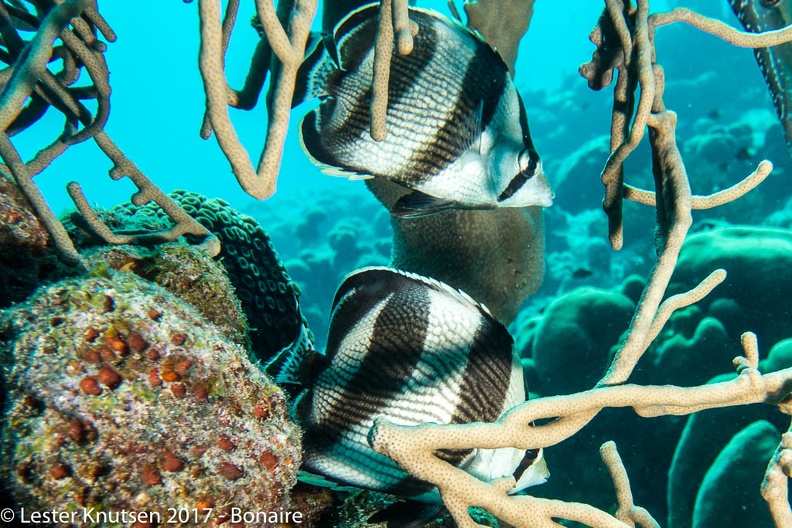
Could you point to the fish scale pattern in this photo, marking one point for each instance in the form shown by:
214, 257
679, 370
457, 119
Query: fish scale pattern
269, 297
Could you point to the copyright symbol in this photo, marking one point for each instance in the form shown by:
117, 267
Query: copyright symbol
7, 515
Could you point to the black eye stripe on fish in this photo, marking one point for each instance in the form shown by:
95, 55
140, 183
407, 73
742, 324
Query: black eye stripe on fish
416, 351
444, 97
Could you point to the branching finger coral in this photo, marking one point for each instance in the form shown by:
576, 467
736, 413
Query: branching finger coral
74, 23
289, 48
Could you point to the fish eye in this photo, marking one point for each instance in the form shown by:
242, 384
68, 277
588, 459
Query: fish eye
528, 162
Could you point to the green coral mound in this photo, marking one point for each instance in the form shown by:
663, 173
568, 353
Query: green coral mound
120, 396
758, 261
728, 495
571, 344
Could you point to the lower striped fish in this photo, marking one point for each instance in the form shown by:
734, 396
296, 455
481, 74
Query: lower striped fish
776, 61
415, 351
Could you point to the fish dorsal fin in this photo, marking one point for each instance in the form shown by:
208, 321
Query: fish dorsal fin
417, 204
353, 36
434, 284
470, 129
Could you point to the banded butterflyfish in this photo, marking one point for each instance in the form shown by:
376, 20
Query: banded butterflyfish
457, 130
413, 350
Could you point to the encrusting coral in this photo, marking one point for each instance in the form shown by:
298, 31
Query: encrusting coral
186, 272
120, 396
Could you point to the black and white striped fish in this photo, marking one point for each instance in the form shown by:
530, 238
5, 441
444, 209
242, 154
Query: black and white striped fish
776, 61
457, 129
413, 350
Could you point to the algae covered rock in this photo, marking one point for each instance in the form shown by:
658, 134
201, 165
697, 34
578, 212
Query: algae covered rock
185, 271
267, 293
119, 396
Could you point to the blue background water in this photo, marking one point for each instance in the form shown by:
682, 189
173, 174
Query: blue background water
158, 101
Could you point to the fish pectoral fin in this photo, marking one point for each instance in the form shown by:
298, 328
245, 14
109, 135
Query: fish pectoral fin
341, 172
417, 204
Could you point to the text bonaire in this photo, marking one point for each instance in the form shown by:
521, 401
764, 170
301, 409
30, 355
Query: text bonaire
92, 516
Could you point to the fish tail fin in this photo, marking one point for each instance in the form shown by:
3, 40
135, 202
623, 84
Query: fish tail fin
315, 71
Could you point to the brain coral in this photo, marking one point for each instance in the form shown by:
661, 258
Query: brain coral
269, 297
120, 396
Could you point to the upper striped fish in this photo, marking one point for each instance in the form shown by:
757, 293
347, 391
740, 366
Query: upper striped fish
457, 130
776, 61
415, 351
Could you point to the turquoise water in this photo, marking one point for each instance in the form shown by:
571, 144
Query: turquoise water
157, 102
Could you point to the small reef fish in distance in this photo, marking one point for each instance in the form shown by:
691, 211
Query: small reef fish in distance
415, 351
458, 133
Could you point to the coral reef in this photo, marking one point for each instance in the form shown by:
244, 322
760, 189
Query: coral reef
269, 297
121, 397
743, 251
322, 241
625, 46
68, 32
106, 397
725, 492
571, 342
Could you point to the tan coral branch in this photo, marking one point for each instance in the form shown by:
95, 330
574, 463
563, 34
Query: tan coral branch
709, 201
393, 22
628, 512
775, 486
29, 67
723, 31
289, 49
675, 302
413, 447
